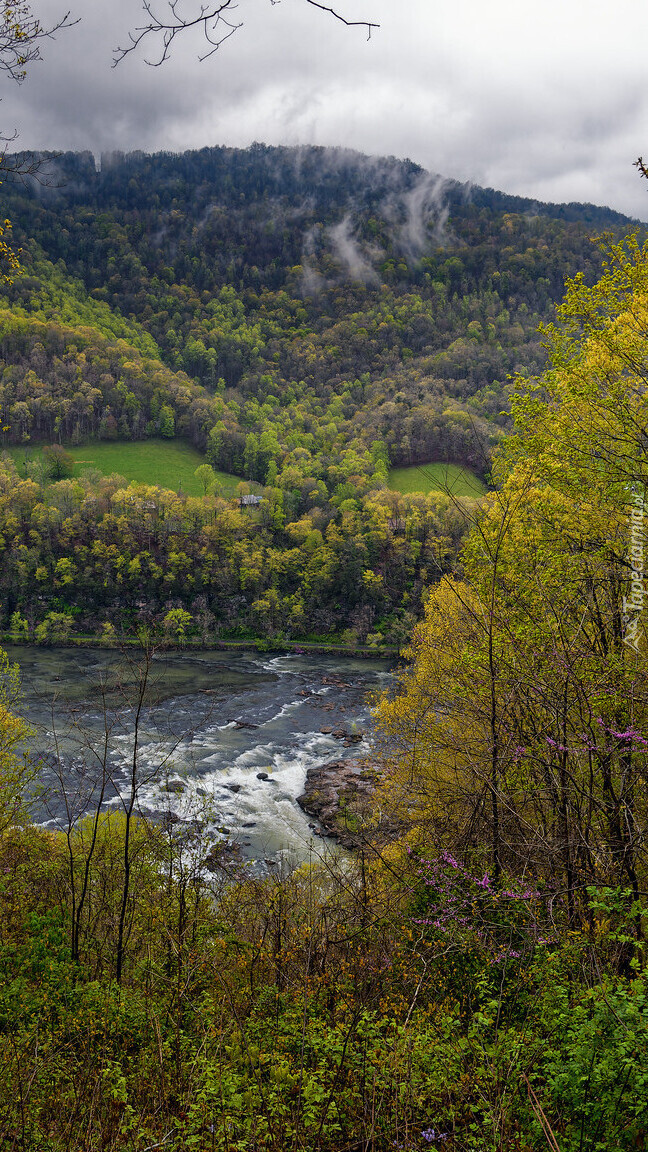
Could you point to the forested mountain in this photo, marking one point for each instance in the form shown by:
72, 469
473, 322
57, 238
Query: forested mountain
296, 273
304, 317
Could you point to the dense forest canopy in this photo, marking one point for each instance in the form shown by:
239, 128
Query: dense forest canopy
270, 269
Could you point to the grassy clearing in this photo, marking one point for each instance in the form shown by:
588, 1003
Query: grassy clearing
436, 478
167, 463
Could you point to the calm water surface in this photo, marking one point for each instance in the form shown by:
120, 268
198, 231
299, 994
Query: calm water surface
212, 722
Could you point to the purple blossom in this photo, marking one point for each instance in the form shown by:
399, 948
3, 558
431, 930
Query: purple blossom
506, 954
629, 734
462, 905
554, 744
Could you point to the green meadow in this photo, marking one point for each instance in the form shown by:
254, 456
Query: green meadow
167, 463
450, 478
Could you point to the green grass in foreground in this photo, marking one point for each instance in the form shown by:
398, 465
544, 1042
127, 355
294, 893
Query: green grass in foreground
167, 463
436, 478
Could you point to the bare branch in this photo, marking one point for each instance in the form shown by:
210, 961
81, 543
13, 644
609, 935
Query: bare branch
26, 166
211, 18
21, 34
349, 23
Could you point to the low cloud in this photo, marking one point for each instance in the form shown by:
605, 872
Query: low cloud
347, 251
426, 214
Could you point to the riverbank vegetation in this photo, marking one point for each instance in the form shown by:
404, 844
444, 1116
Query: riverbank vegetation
96, 555
404, 1000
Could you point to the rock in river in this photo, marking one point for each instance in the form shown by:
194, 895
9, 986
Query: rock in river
337, 793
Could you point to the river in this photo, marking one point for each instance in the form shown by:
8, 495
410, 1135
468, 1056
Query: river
225, 737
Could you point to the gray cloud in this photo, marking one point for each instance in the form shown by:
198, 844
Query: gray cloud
550, 104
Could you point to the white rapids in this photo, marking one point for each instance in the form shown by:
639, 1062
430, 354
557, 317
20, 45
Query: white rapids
227, 738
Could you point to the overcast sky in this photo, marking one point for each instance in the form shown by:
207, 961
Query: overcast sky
546, 101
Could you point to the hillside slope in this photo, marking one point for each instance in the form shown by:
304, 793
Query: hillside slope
306, 318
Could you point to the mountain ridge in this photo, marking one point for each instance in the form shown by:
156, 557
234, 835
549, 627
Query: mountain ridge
398, 174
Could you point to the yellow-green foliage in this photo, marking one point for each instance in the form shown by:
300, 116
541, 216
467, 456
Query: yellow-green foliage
524, 716
15, 769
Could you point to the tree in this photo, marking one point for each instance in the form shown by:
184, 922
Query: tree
524, 718
54, 629
58, 462
206, 477
21, 37
167, 421
18, 627
16, 771
176, 622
